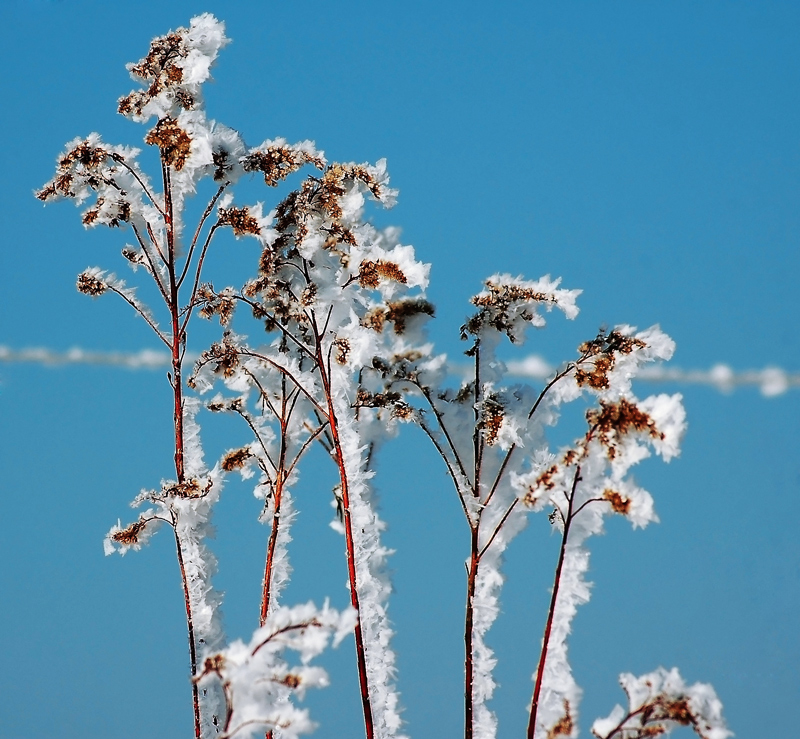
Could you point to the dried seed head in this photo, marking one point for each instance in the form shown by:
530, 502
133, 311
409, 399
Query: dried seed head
492, 413
498, 306
129, 536
161, 70
403, 411
309, 295
222, 304
564, 725
614, 420
292, 681
365, 399
543, 481
240, 220
174, 143
370, 273
214, 663
278, 162
89, 284
133, 256
342, 347
79, 166
618, 503
236, 459
223, 355
599, 355
679, 710
188, 489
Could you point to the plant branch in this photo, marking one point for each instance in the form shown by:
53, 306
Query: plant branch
551, 612
142, 313
499, 526
206, 214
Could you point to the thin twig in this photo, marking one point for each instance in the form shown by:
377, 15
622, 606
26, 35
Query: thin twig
499, 526
202, 221
142, 313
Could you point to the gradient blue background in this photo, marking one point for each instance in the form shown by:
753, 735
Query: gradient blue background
647, 152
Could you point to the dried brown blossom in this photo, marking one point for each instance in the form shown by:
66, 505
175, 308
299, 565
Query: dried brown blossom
188, 489
174, 143
236, 459
342, 350
496, 306
224, 355
338, 234
214, 663
88, 284
220, 304
491, 421
398, 313
123, 213
278, 162
502, 296
403, 411
159, 68
618, 503
240, 220
370, 272
564, 725
309, 295
599, 357
86, 156
612, 421
544, 480
133, 256
365, 399
292, 681
129, 535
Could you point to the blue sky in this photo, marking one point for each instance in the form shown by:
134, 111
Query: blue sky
646, 152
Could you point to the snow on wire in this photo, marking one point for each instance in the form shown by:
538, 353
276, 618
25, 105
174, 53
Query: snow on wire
771, 381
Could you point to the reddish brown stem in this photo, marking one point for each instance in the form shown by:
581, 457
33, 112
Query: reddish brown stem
348, 533
177, 387
280, 475
272, 541
192, 650
537, 688
472, 576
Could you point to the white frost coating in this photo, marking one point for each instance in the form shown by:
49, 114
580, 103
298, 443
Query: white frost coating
193, 527
558, 683
486, 603
602, 464
520, 302
672, 703
190, 516
199, 48
374, 587
281, 567
257, 681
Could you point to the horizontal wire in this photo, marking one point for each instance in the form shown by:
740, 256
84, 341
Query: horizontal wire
771, 381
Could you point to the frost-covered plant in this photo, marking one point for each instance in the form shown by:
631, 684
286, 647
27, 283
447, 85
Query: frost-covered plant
327, 282
660, 701
346, 361
491, 437
258, 683
120, 193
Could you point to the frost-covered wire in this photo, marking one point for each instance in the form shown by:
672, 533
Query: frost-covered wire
771, 381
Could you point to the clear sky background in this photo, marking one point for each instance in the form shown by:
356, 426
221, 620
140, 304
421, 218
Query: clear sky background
646, 152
